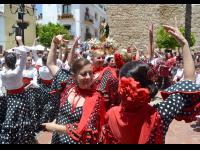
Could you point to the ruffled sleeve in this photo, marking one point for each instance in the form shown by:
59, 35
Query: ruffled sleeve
60, 81
108, 86
185, 97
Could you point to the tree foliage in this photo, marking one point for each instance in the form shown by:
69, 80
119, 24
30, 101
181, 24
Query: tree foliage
166, 41
47, 32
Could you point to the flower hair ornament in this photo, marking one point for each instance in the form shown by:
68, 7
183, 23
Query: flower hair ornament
118, 60
131, 93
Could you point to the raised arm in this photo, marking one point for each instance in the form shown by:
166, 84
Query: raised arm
188, 63
72, 52
150, 48
51, 60
34, 52
137, 52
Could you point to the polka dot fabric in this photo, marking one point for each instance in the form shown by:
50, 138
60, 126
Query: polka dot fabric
181, 103
18, 126
108, 87
66, 116
185, 97
3, 107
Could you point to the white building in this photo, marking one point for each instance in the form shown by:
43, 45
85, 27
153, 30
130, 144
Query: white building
80, 19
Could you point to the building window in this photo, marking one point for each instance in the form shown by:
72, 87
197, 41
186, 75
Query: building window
88, 35
66, 8
68, 27
96, 16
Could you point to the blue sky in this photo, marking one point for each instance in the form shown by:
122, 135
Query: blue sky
39, 8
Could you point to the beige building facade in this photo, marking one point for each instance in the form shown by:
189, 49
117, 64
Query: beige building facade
129, 22
8, 20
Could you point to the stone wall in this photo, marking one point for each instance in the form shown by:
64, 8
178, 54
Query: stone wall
129, 22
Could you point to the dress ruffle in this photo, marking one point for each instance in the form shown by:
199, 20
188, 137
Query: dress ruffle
191, 93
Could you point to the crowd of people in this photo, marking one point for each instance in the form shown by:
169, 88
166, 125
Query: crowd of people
95, 93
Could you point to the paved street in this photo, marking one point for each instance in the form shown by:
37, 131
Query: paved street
178, 133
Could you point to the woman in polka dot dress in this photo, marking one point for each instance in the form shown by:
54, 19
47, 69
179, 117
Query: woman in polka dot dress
16, 127
82, 106
107, 76
20, 116
135, 121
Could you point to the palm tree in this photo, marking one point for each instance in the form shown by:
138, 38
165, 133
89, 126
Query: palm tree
188, 20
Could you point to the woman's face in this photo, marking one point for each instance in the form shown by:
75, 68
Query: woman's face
29, 61
112, 62
98, 61
85, 77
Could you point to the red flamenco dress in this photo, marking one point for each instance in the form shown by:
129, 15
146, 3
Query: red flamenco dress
136, 122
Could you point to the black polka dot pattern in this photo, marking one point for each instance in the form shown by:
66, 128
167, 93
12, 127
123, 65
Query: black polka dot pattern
18, 126
174, 105
177, 101
108, 87
3, 108
66, 116
62, 76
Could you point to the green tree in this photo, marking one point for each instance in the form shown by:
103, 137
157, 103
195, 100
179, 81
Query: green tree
166, 41
47, 32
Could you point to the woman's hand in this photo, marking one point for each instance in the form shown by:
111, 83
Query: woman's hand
50, 127
175, 32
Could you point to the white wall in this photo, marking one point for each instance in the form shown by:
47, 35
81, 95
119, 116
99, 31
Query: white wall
50, 13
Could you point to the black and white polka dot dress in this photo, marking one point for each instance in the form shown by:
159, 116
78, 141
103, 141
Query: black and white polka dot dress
3, 108
181, 102
109, 87
18, 126
45, 107
65, 115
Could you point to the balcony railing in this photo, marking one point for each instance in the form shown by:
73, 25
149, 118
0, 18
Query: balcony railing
65, 16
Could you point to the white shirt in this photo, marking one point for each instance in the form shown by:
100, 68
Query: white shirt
31, 73
44, 73
179, 74
198, 79
37, 60
13, 79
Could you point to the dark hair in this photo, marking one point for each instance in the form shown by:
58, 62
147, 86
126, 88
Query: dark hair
109, 59
44, 60
138, 71
10, 60
79, 64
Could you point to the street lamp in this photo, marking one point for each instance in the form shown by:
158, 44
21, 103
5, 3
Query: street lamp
22, 10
